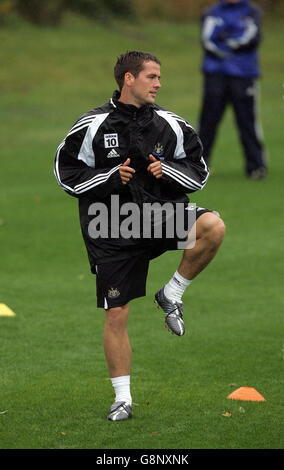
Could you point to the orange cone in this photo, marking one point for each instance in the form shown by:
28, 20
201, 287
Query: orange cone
246, 394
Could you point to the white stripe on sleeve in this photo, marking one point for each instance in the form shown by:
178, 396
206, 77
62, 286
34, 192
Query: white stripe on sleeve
86, 153
179, 150
181, 178
95, 181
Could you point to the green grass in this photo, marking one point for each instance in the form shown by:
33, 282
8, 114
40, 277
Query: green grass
55, 389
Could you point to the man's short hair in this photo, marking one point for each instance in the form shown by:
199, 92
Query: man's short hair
131, 61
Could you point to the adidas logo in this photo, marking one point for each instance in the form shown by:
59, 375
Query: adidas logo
176, 281
113, 154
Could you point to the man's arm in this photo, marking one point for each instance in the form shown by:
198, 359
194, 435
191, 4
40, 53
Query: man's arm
187, 171
75, 171
250, 37
212, 32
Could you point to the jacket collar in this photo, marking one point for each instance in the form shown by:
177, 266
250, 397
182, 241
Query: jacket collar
129, 109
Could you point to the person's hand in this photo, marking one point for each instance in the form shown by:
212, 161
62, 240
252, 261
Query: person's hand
233, 43
126, 172
155, 168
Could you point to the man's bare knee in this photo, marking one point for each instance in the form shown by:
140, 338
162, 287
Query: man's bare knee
210, 226
116, 317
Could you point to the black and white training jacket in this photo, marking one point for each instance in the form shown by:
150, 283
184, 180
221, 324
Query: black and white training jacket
87, 163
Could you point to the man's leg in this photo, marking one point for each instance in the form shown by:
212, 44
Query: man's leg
210, 231
118, 355
116, 342
117, 283
213, 106
244, 92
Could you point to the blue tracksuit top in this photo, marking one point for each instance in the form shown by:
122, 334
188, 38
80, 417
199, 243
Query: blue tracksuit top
231, 33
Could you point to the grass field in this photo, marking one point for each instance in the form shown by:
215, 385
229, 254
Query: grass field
55, 391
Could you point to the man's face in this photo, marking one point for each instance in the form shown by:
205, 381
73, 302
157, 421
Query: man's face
145, 86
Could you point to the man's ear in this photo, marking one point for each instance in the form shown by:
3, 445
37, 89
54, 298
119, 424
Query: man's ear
128, 79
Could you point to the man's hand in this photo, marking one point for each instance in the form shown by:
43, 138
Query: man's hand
155, 168
126, 171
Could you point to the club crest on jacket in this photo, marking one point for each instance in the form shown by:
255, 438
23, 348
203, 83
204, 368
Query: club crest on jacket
158, 150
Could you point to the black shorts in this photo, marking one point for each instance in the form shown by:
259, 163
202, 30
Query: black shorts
118, 282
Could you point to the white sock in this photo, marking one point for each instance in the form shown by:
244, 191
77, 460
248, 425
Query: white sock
121, 387
176, 286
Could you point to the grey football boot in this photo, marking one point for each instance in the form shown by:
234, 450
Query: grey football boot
119, 411
173, 311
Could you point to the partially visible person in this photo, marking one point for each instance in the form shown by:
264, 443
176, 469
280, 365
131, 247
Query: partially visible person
231, 34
